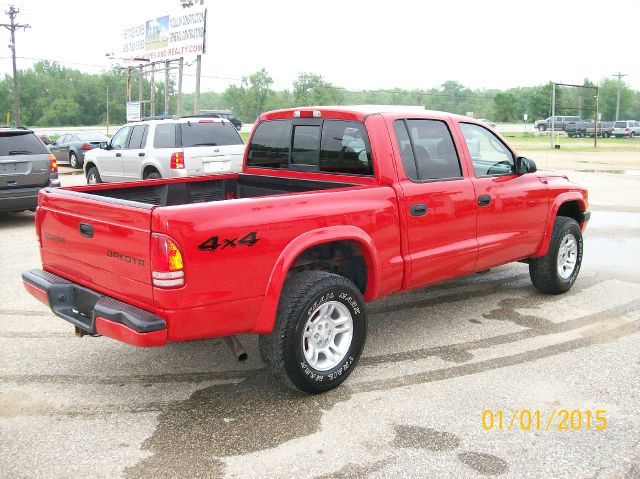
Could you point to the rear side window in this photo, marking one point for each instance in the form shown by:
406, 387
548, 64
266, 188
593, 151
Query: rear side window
138, 137
21, 144
165, 136
427, 150
330, 146
208, 133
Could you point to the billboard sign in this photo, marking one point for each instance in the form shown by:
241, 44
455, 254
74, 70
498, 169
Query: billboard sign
166, 37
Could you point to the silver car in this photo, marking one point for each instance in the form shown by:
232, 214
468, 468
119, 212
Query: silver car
168, 148
624, 128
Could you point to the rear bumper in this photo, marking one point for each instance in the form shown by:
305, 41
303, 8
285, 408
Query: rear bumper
19, 199
95, 313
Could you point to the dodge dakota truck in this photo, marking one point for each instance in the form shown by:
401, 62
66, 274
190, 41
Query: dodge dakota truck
334, 207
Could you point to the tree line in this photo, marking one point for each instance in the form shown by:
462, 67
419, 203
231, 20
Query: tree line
54, 95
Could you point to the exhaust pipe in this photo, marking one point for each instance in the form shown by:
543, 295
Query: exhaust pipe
236, 348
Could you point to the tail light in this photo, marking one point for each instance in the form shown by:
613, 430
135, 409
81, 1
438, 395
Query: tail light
177, 161
167, 267
626, 129
85, 147
53, 163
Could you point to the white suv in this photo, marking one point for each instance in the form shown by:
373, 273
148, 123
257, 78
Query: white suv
168, 148
628, 128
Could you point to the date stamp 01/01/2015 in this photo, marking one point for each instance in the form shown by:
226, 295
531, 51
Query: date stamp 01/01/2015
537, 420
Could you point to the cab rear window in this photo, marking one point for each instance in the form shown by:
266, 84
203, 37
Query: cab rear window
329, 146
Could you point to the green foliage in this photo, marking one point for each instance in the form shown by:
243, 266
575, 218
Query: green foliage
505, 106
53, 95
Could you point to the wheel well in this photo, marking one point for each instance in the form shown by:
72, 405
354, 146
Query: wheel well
89, 165
571, 210
344, 258
148, 170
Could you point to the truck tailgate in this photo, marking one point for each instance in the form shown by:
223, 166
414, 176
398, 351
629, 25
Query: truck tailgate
97, 244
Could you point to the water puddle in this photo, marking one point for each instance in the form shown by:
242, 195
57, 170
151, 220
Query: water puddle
612, 172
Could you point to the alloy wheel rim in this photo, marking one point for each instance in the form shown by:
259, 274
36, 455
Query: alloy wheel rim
327, 335
567, 256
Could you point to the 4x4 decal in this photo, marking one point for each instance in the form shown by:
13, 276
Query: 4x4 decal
214, 243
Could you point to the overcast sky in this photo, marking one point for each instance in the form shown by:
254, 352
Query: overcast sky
358, 44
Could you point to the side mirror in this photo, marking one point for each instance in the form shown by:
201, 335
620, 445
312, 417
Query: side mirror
525, 165
104, 145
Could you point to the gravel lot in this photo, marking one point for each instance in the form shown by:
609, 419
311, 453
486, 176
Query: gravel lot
435, 360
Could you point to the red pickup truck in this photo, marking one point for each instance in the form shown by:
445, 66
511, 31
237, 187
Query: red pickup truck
334, 207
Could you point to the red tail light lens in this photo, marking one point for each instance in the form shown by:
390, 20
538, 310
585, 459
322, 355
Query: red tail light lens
85, 147
53, 163
167, 266
177, 161
626, 129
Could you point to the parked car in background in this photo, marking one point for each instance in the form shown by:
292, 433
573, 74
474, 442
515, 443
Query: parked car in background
169, 148
25, 166
576, 129
71, 147
558, 124
628, 128
45, 139
488, 122
227, 115
605, 128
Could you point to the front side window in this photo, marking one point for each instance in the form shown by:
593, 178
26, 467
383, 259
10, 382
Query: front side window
490, 157
119, 140
427, 150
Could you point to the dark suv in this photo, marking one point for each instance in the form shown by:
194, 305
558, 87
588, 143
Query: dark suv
25, 166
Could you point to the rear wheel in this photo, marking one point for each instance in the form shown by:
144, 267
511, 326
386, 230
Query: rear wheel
93, 176
556, 271
632, 134
74, 162
152, 175
319, 332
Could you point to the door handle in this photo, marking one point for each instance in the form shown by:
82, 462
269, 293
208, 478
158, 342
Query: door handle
484, 200
118, 155
419, 209
141, 153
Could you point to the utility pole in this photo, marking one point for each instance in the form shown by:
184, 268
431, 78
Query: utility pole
152, 93
140, 91
196, 99
12, 27
166, 88
619, 75
180, 71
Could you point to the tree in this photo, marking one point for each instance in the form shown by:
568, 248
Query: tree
608, 98
251, 97
505, 106
311, 89
540, 101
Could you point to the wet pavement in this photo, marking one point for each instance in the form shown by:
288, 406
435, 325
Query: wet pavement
436, 359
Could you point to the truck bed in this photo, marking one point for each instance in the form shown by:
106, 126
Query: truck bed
157, 193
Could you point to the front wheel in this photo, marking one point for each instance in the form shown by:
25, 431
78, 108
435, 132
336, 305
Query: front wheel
541, 128
319, 332
556, 271
93, 176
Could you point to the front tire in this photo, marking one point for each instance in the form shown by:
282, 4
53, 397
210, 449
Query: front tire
319, 333
541, 128
556, 271
93, 176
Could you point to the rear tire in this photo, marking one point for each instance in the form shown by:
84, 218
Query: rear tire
319, 333
556, 271
93, 176
74, 162
152, 175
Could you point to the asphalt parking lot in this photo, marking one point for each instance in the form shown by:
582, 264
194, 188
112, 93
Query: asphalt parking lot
435, 360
